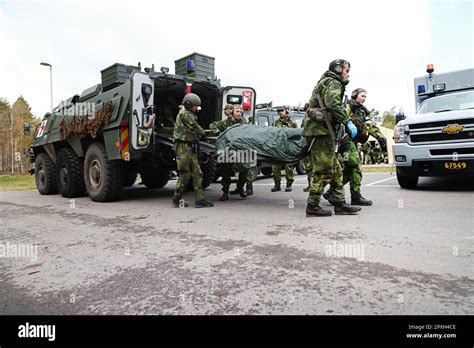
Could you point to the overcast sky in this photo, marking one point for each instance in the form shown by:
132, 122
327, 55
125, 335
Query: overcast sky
280, 48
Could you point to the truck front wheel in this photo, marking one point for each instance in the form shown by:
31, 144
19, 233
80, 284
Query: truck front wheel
103, 177
45, 175
70, 178
407, 182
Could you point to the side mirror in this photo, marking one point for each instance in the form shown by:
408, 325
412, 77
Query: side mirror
26, 128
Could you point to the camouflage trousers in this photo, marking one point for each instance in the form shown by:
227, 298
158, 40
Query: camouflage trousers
290, 177
188, 169
228, 171
351, 170
326, 170
249, 180
308, 165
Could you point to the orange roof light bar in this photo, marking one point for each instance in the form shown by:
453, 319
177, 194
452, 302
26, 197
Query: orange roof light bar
429, 68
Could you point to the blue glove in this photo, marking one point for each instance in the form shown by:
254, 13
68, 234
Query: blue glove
352, 129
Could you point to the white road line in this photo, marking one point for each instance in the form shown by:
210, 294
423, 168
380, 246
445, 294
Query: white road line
381, 185
376, 182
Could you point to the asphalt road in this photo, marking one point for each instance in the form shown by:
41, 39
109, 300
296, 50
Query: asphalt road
412, 252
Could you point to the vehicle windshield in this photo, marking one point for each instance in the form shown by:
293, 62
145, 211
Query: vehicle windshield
449, 102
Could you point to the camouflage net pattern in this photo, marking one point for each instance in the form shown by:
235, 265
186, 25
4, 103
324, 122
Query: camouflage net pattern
89, 125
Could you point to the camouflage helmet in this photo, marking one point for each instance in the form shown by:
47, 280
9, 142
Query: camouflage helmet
191, 99
337, 65
229, 107
282, 108
356, 92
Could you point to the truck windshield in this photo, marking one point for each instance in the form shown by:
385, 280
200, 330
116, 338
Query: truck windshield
448, 102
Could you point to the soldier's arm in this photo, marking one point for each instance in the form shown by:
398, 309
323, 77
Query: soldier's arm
333, 101
217, 127
375, 132
191, 123
293, 124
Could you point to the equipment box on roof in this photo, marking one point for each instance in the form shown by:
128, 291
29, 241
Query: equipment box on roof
195, 65
116, 74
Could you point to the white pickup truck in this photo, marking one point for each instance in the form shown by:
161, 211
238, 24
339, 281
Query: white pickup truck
439, 139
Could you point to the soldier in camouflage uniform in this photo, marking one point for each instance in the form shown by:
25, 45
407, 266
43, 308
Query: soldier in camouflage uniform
186, 135
228, 168
307, 160
351, 159
326, 167
228, 109
284, 121
248, 179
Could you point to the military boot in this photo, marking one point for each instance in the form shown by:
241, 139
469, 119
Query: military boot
249, 192
203, 203
224, 197
316, 210
359, 200
288, 187
328, 196
276, 187
342, 208
177, 202
242, 193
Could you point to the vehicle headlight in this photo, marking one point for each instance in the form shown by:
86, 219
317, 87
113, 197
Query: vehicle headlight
400, 133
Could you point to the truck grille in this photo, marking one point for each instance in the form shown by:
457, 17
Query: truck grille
462, 151
420, 138
440, 123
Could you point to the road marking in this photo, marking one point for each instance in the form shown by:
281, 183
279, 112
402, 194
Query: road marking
376, 182
381, 186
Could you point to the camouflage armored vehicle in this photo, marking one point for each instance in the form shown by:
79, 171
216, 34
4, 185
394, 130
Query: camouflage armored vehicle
97, 142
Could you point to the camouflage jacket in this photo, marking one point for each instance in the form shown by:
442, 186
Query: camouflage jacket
286, 122
187, 128
360, 112
331, 87
220, 126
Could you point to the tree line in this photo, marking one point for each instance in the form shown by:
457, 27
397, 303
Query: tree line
13, 143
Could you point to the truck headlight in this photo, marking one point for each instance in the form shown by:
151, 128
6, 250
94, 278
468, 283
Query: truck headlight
400, 134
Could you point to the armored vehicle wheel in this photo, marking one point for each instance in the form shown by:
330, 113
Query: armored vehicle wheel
70, 174
45, 175
103, 177
266, 171
407, 182
154, 178
300, 168
208, 172
129, 179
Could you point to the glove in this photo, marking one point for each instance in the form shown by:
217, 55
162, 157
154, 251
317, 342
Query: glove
352, 129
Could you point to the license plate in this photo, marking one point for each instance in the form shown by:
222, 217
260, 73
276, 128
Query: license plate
455, 165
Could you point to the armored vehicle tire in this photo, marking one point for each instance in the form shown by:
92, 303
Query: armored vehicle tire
208, 172
129, 179
300, 168
407, 182
155, 178
266, 171
103, 177
45, 175
70, 174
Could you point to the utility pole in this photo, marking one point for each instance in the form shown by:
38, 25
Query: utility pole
50, 81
